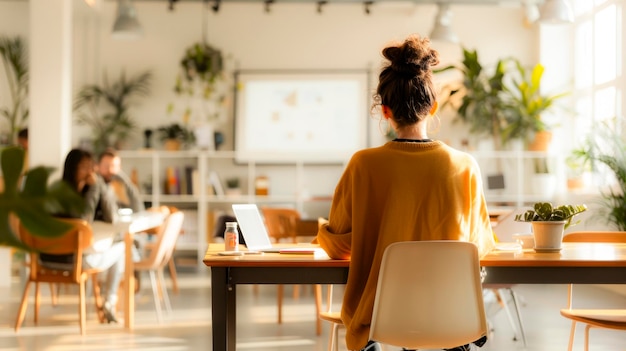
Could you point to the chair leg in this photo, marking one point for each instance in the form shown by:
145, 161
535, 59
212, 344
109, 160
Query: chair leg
519, 315
333, 343
98, 297
173, 275
505, 306
317, 292
279, 302
164, 294
37, 303
296, 292
22, 311
155, 295
54, 294
587, 327
571, 336
82, 310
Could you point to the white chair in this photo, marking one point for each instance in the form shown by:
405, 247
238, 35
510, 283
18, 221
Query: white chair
437, 304
327, 314
160, 255
598, 318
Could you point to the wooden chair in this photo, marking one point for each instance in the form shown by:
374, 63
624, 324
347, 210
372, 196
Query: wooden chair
593, 318
281, 226
439, 305
75, 241
171, 264
329, 315
160, 254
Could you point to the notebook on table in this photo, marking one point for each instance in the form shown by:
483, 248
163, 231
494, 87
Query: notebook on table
255, 233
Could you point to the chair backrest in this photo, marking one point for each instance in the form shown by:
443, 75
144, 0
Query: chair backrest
281, 223
595, 237
429, 296
74, 241
163, 249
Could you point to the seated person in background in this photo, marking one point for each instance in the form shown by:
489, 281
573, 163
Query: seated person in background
412, 188
78, 172
109, 168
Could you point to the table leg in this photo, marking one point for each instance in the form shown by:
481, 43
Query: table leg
129, 283
224, 313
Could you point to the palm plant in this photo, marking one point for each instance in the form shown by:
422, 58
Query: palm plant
483, 105
15, 60
111, 124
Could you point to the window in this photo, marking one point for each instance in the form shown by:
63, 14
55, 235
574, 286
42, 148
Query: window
598, 79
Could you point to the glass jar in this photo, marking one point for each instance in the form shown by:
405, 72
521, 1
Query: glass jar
231, 237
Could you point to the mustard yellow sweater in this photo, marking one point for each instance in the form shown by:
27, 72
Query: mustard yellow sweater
399, 192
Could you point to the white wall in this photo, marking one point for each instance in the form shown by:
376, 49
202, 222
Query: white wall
291, 36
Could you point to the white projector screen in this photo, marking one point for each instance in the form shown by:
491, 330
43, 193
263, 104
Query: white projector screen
312, 116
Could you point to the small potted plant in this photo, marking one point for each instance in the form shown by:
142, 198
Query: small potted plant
232, 186
549, 222
174, 135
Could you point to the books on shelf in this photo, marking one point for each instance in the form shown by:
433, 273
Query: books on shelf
181, 181
214, 181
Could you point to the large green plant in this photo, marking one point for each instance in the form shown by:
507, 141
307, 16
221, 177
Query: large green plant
105, 107
607, 147
526, 103
34, 202
15, 61
483, 104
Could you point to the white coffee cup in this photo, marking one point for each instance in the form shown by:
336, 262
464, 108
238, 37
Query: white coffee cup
526, 240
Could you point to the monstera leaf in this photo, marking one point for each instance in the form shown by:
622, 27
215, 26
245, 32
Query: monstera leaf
35, 202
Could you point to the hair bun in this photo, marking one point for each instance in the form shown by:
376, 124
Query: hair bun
412, 58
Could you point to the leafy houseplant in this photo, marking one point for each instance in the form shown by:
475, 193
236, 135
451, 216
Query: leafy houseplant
549, 222
15, 60
200, 64
173, 135
526, 105
606, 149
34, 202
482, 105
105, 108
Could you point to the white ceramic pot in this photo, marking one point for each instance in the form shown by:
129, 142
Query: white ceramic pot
548, 235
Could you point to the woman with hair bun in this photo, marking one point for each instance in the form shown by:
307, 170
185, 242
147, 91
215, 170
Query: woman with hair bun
411, 188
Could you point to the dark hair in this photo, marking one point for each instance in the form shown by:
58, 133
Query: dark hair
405, 83
108, 152
72, 160
23, 133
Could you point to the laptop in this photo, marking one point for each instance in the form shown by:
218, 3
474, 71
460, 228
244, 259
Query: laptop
255, 233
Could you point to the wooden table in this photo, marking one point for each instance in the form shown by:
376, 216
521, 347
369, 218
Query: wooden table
130, 225
576, 263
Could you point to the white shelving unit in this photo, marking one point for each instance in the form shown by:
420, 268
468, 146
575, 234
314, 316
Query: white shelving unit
523, 184
306, 186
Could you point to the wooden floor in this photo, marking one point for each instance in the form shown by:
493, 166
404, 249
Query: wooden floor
189, 328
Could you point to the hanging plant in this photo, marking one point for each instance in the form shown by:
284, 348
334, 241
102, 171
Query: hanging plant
202, 64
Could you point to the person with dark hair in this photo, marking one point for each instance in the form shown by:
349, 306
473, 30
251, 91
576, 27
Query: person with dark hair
79, 174
110, 169
411, 188
22, 138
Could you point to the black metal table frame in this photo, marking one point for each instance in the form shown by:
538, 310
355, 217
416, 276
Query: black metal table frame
224, 281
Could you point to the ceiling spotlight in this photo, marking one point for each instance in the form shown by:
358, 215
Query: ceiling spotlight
126, 25
320, 4
268, 4
216, 6
442, 30
531, 12
556, 12
366, 7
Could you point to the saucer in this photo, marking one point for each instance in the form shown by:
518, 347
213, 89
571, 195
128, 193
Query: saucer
546, 250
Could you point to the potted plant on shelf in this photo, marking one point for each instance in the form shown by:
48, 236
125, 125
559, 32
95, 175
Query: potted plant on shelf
526, 105
232, 186
174, 136
549, 223
105, 108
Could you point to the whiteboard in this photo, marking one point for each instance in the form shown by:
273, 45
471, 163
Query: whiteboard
314, 116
